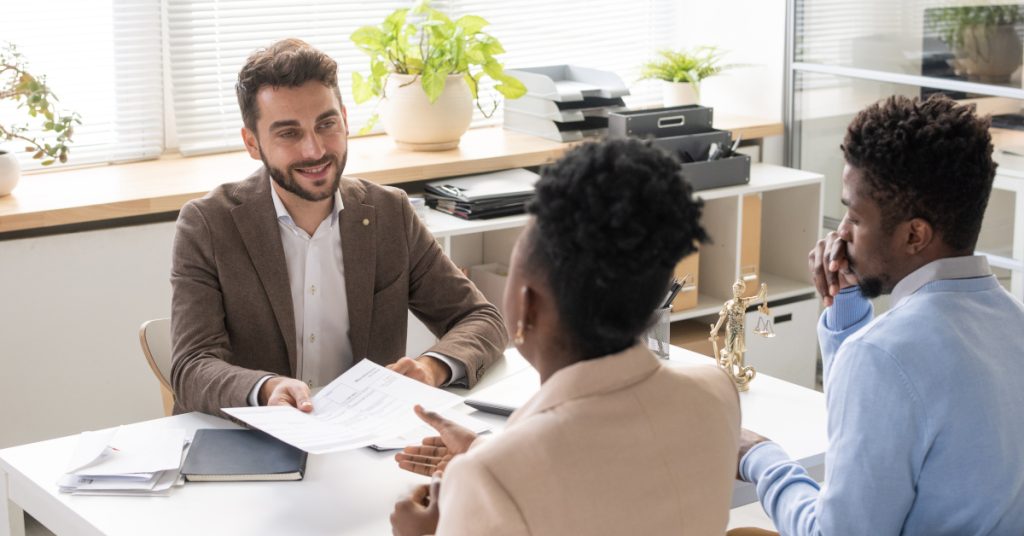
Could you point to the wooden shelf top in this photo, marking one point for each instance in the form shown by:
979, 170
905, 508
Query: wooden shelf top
65, 197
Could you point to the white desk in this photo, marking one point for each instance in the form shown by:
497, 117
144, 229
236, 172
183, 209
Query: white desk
344, 493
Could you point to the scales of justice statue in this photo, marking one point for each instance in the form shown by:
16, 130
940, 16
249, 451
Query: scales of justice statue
733, 315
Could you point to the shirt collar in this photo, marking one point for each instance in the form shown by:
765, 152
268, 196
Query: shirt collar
965, 267
282, 212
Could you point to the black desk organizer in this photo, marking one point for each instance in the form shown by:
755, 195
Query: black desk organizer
686, 132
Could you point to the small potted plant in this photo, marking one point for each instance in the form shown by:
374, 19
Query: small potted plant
983, 39
682, 72
34, 97
426, 70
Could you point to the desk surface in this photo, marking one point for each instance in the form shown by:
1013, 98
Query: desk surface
343, 493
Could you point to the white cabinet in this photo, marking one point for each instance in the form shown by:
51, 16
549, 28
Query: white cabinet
791, 355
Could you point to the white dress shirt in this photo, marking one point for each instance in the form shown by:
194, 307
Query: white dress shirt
316, 275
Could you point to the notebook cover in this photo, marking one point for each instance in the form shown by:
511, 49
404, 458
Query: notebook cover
240, 456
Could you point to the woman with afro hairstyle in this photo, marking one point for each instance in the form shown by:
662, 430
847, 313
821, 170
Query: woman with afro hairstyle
615, 441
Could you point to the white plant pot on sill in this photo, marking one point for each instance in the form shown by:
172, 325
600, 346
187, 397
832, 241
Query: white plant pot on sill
10, 171
416, 124
679, 94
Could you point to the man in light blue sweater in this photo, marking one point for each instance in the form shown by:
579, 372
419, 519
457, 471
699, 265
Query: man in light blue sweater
925, 402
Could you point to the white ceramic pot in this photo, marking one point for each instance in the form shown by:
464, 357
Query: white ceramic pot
10, 171
416, 124
679, 94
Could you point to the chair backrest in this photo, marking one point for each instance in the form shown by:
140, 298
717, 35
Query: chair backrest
155, 337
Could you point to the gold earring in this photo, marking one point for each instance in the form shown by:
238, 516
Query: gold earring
520, 337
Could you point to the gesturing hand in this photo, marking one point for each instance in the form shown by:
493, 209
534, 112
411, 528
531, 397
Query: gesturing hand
435, 452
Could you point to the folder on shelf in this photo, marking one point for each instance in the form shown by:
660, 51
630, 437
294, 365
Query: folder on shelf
750, 244
488, 195
687, 296
218, 455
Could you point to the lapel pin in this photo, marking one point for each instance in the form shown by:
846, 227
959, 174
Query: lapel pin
366, 221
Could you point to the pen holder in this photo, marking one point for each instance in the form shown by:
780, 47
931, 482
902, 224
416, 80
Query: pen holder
657, 335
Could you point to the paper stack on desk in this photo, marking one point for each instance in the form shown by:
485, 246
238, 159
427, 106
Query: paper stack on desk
125, 461
367, 405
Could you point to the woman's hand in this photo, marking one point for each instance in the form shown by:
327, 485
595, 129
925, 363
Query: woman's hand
435, 452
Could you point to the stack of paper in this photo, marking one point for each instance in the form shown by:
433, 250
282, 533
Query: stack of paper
487, 195
125, 461
367, 405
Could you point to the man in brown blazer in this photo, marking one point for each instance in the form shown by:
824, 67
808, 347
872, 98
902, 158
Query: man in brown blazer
284, 280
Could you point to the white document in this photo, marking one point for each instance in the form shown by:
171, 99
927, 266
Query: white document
125, 461
127, 452
416, 435
367, 403
509, 394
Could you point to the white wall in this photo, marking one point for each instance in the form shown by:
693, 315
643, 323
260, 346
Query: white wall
70, 310
753, 32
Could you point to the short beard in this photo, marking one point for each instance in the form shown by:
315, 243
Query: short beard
287, 180
871, 287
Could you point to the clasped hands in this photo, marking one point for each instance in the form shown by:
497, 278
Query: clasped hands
283, 391
418, 513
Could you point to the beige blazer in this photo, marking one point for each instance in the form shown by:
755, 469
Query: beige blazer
232, 320
619, 445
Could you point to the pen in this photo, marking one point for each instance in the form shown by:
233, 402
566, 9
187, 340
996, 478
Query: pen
674, 289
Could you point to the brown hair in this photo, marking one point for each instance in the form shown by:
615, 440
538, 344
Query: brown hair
286, 63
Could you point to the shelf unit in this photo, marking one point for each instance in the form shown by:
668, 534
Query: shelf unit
790, 225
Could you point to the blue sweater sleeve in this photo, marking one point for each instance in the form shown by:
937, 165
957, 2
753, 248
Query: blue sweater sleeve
848, 314
876, 430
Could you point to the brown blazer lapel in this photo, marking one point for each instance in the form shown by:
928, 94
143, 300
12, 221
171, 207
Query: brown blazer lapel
359, 252
256, 220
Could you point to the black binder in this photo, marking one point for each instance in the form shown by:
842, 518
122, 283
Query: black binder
218, 455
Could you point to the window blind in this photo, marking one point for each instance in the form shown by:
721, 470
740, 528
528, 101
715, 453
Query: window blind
102, 58
210, 39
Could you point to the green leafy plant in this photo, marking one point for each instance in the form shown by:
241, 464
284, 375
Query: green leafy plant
950, 22
34, 96
689, 66
427, 44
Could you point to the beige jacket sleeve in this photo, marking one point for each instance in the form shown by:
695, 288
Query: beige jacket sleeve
469, 328
474, 502
201, 375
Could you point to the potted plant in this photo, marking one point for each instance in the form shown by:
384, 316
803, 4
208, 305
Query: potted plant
984, 40
32, 95
426, 69
682, 72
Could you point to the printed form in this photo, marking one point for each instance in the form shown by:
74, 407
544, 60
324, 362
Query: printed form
366, 404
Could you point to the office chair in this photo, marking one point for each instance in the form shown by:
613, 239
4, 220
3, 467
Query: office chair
155, 337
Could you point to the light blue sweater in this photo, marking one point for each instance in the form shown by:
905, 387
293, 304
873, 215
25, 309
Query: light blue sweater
925, 419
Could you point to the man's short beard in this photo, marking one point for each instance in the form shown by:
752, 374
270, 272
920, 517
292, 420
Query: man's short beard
871, 287
287, 180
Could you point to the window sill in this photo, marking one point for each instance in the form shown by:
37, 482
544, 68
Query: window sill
140, 189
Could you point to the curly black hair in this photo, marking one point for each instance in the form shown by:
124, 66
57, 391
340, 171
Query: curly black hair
612, 219
929, 159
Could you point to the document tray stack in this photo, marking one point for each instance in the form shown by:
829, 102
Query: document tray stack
564, 102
